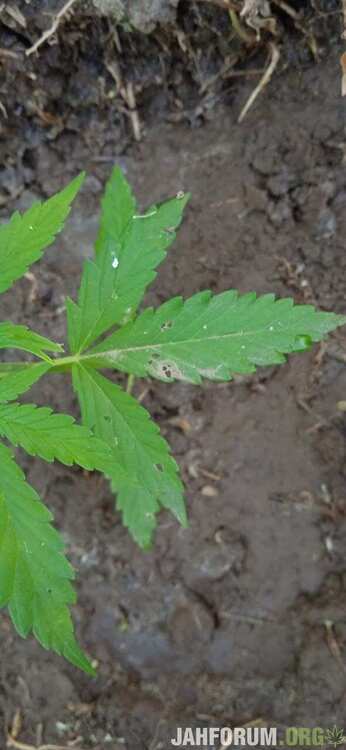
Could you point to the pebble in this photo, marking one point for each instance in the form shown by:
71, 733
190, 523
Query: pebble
279, 212
278, 185
209, 491
326, 226
213, 562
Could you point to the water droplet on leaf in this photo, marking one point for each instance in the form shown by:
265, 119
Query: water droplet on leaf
301, 343
115, 262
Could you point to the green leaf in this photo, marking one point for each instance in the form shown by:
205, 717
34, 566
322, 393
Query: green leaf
20, 337
129, 248
150, 473
25, 237
54, 436
14, 383
118, 208
34, 574
213, 336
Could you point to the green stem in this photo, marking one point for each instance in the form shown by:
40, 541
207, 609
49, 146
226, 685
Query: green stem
62, 364
59, 364
130, 383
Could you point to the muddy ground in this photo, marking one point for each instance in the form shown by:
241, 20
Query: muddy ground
241, 617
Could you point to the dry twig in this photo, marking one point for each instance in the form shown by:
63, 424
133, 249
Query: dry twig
33, 286
12, 740
343, 74
275, 57
344, 14
16, 15
333, 645
296, 17
288, 9
8, 53
246, 36
16, 724
3, 110
126, 91
132, 111
226, 4
226, 67
52, 29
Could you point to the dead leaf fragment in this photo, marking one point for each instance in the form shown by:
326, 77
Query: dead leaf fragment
343, 74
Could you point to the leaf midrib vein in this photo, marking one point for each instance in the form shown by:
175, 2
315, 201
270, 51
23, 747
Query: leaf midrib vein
182, 341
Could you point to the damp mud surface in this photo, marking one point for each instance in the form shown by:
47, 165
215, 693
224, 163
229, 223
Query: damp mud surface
240, 618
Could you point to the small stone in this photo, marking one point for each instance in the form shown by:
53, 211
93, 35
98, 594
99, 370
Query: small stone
213, 562
340, 199
142, 15
299, 195
11, 181
209, 491
326, 226
93, 184
62, 728
278, 185
279, 212
328, 189
113, 8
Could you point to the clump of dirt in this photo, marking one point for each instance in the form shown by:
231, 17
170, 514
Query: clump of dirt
240, 617
142, 15
95, 79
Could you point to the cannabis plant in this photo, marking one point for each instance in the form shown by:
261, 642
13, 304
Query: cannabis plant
206, 336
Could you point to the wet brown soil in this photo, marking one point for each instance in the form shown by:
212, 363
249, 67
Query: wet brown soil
241, 617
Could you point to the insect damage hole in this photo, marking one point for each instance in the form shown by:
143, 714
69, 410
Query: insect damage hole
167, 371
166, 326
